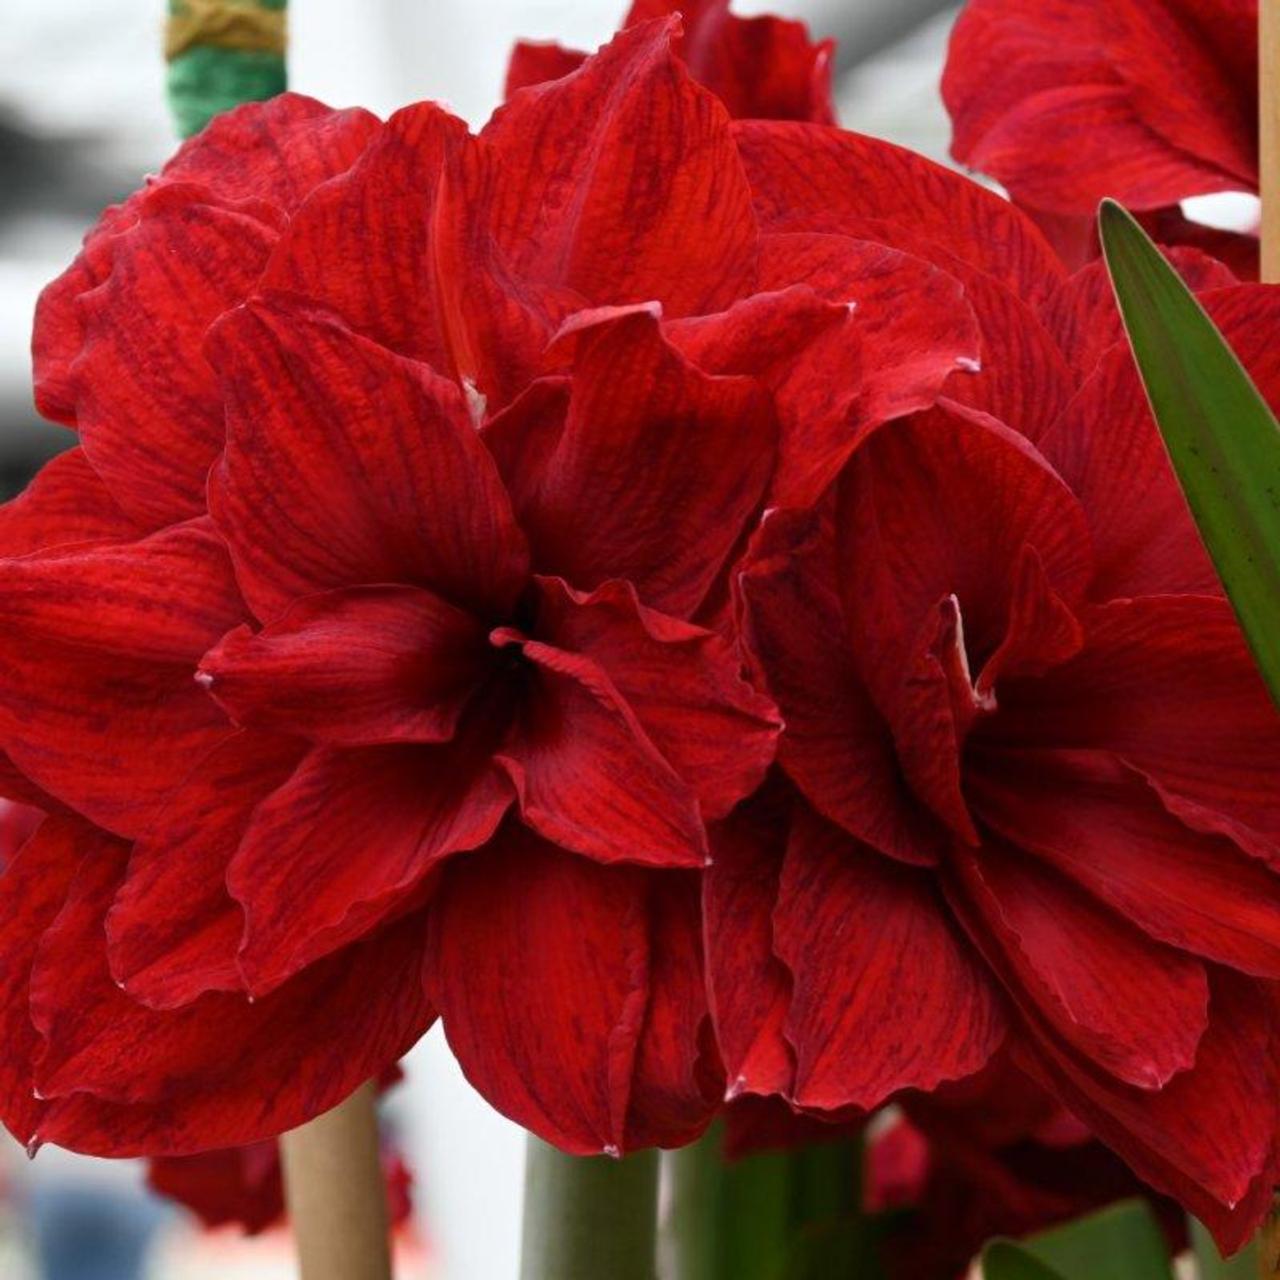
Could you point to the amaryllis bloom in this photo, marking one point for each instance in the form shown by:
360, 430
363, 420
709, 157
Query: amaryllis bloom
995, 1157
1068, 101
1029, 793
374, 651
764, 67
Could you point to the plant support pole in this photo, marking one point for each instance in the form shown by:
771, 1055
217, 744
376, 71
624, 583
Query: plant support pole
334, 1190
1269, 230
1269, 135
588, 1217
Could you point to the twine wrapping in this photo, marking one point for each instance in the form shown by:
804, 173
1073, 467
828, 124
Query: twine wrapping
222, 53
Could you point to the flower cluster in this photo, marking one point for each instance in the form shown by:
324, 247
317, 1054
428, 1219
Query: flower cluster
697, 603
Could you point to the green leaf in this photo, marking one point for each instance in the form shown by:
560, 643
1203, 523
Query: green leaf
1121, 1242
1004, 1260
1220, 433
1211, 1264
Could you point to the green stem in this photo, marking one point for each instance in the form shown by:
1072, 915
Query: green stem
745, 1220
588, 1217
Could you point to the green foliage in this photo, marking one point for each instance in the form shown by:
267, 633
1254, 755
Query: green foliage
1221, 435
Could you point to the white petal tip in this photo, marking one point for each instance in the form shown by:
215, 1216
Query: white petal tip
968, 364
204, 679
613, 1152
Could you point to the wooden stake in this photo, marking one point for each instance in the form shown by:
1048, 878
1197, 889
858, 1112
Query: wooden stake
1269, 135
334, 1188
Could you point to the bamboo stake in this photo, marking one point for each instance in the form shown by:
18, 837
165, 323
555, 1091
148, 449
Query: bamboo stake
334, 1188
1269, 189
1269, 135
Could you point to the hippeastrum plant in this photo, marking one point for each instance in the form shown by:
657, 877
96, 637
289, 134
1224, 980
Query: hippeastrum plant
373, 651
1149, 101
1027, 788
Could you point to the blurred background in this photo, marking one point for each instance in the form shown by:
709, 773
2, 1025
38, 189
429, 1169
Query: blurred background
82, 119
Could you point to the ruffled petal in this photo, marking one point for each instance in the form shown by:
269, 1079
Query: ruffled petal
124, 1080
353, 668
837, 747
1167, 685
586, 773
1134, 1008
886, 994
363, 829
326, 484
173, 931
97, 659
539, 964
681, 681
65, 503
661, 464
808, 178
579, 204
749, 986
1104, 826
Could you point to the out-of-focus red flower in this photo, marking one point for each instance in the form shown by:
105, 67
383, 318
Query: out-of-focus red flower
763, 68
243, 1186
1068, 101
425, 705
993, 1158
1031, 786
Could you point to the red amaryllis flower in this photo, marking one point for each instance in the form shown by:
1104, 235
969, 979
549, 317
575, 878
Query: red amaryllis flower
1031, 796
1068, 101
243, 1186
763, 68
992, 1156
420, 708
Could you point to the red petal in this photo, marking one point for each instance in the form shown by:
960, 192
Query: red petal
836, 746
363, 828
279, 150
347, 465
807, 178
1207, 1136
99, 649
1082, 314
388, 198
353, 668
274, 151
147, 403
761, 68
32, 891
586, 773
533, 62
1168, 685
1101, 824
682, 682
222, 1071
607, 169
538, 962
661, 463
174, 931
678, 1083
1068, 102
750, 988
1134, 1008
939, 506
886, 995
1021, 377
65, 503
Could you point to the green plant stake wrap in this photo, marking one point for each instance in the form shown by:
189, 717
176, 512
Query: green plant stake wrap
222, 53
